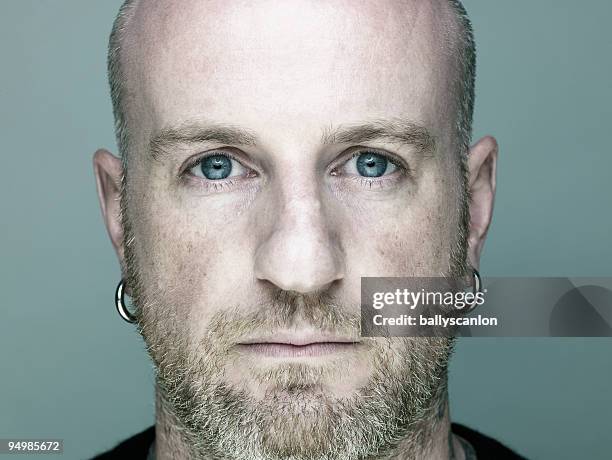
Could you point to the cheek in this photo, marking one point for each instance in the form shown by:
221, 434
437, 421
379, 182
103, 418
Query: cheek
412, 238
189, 260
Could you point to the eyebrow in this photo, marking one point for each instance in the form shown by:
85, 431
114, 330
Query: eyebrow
394, 131
192, 133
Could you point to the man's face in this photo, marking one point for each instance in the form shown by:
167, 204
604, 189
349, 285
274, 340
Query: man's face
280, 152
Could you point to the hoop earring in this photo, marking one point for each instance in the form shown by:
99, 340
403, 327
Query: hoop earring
120, 303
477, 289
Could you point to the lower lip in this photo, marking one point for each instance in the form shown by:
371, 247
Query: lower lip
283, 350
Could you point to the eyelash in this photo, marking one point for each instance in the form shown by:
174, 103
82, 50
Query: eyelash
402, 170
223, 184
207, 184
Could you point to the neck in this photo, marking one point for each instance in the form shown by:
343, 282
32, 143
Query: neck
436, 440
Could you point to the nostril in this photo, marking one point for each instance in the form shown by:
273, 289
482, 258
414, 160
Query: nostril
300, 276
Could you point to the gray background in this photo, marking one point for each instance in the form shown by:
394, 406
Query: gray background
70, 368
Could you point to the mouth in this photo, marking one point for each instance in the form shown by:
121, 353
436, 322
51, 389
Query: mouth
296, 345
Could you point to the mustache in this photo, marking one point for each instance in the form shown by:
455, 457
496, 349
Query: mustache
286, 310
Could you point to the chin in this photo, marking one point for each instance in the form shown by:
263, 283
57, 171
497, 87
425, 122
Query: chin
306, 381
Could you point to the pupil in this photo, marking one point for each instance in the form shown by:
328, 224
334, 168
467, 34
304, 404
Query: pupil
371, 165
216, 167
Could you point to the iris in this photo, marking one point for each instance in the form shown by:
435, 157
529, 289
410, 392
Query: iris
371, 164
216, 167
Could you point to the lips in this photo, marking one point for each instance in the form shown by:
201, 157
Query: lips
304, 344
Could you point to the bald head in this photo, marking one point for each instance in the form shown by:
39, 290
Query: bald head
437, 33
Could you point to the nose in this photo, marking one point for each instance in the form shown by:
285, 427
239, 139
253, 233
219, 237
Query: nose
301, 251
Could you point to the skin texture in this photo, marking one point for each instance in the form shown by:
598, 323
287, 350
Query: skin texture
282, 245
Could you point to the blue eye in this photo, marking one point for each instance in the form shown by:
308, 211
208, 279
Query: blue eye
217, 167
370, 164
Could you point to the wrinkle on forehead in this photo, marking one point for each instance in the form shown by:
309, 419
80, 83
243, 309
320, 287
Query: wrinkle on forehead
172, 43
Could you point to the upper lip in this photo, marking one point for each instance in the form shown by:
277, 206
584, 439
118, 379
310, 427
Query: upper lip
299, 338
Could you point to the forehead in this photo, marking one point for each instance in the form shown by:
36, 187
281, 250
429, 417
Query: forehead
303, 62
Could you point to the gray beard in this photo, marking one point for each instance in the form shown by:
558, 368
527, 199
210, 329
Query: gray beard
297, 420
395, 411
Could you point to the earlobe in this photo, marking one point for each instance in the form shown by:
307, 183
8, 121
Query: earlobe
108, 170
482, 166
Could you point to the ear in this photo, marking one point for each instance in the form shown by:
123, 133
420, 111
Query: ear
108, 170
482, 166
